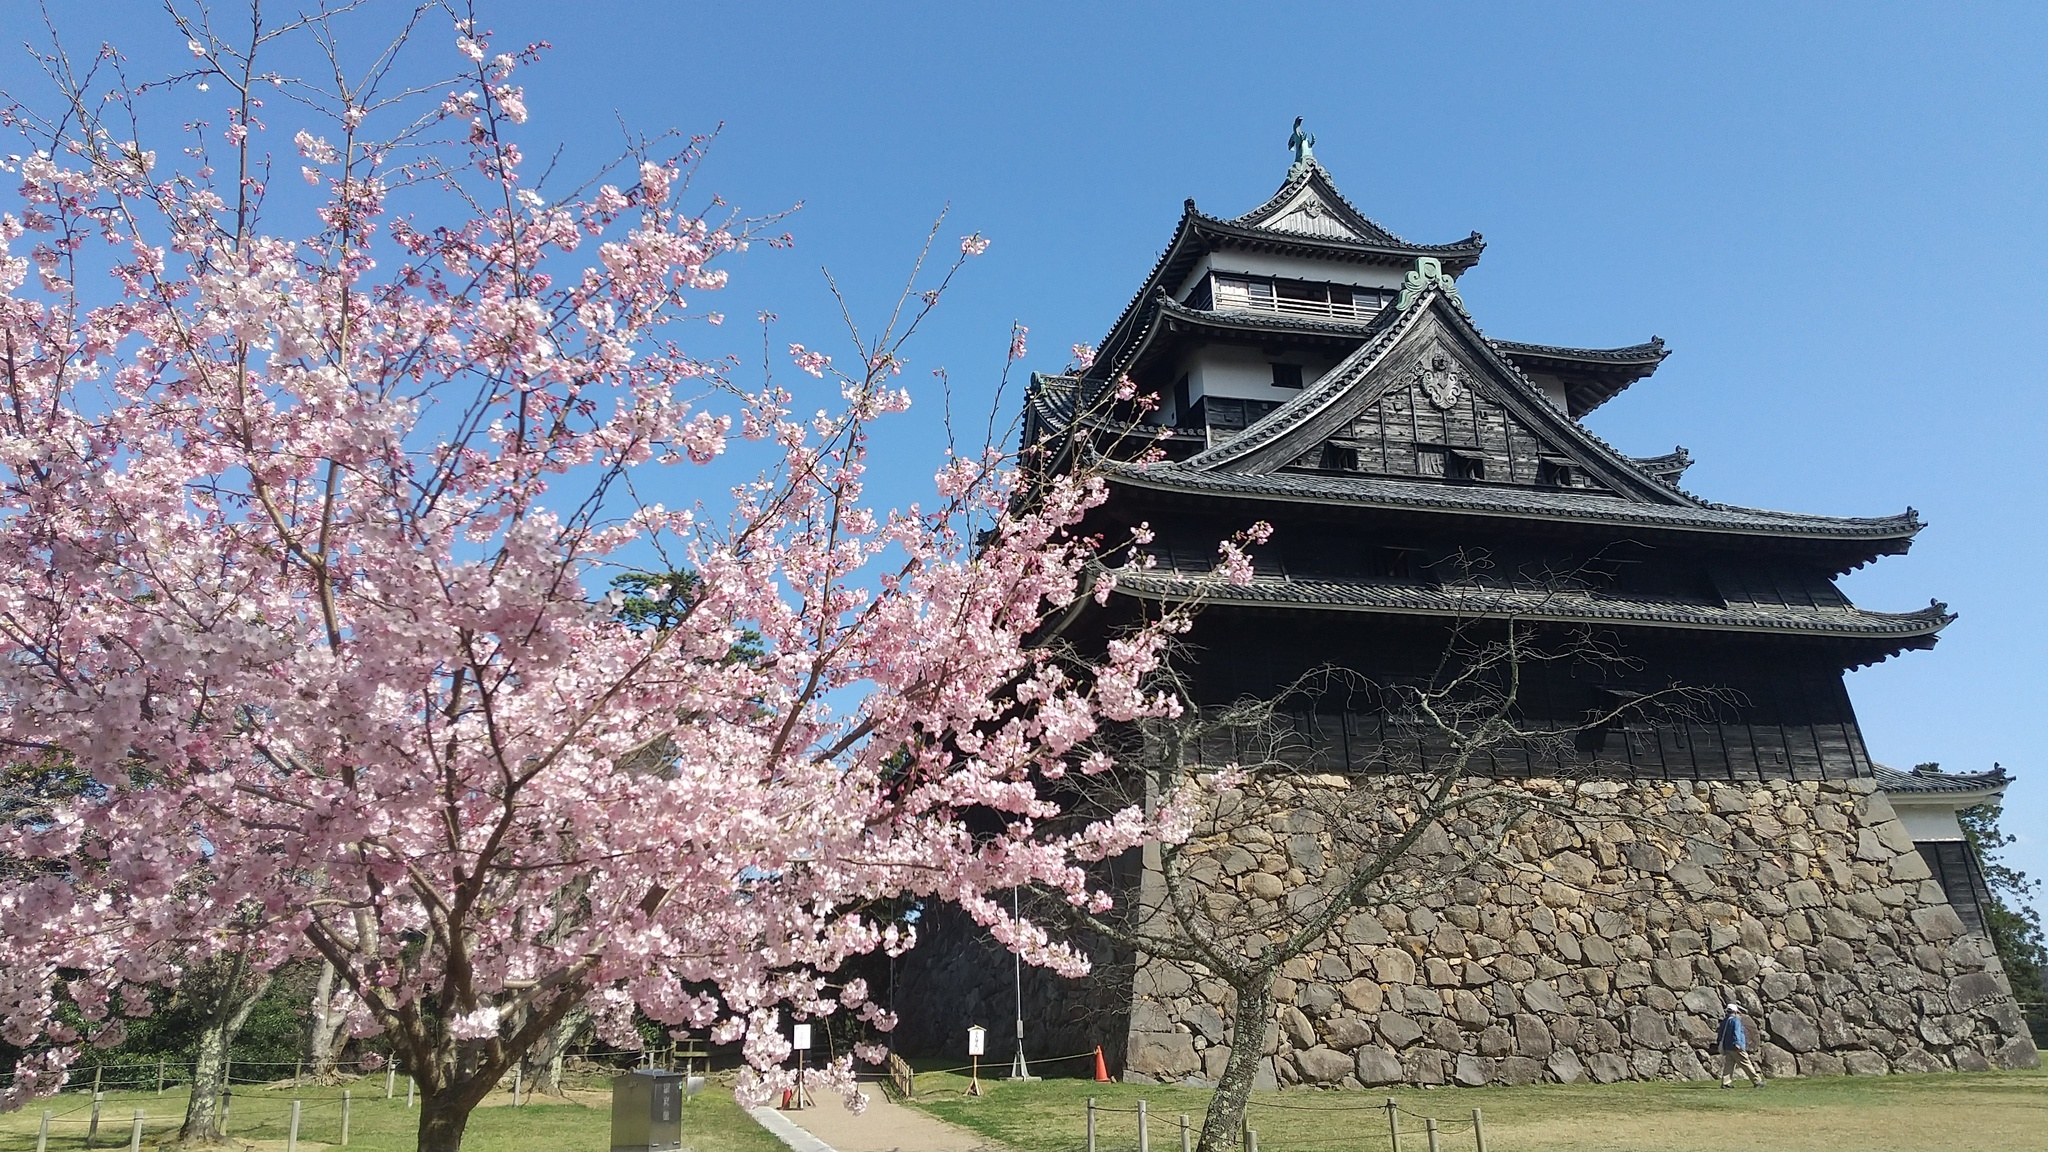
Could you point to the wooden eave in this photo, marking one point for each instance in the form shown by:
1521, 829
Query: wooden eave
1591, 376
1838, 544
1856, 637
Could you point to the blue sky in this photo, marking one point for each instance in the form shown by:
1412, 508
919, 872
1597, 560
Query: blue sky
1833, 214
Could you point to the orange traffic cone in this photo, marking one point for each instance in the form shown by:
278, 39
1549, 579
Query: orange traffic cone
1101, 1068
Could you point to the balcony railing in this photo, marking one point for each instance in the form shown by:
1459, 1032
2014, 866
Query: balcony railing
1319, 309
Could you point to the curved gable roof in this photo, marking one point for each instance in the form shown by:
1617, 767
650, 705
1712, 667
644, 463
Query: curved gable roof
1355, 238
1359, 379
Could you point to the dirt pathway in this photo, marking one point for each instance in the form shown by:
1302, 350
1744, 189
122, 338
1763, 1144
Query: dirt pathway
884, 1126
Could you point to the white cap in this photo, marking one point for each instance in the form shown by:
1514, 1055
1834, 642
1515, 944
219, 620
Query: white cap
1733, 1008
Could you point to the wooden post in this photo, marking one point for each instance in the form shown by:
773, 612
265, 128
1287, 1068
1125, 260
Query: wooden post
344, 1117
299, 1070
159, 1075
1251, 1140
227, 1102
92, 1128
1393, 1124
410, 1084
1184, 1132
97, 1069
291, 1140
1091, 1123
1479, 1130
1429, 1126
390, 1080
1144, 1133
43, 1133
518, 1083
135, 1133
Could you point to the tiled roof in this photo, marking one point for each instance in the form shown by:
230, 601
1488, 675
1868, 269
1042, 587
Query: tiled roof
1512, 501
1313, 173
1474, 601
1198, 231
1242, 453
1053, 400
1592, 376
1652, 352
1940, 783
1311, 400
1668, 467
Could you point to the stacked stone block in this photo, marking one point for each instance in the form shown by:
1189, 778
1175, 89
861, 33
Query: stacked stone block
1601, 943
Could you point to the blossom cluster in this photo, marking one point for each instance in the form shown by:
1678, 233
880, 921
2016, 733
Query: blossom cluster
305, 529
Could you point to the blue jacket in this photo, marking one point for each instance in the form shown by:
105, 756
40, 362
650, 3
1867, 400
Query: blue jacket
1733, 1038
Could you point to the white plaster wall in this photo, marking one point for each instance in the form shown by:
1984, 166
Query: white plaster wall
1245, 373
1928, 821
1553, 389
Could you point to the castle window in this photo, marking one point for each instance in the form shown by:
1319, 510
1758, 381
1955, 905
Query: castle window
1183, 408
1337, 458
1391, 564
1236, 292
1365, 302
1224, 412
1556, 473
1286, 375
1464, 465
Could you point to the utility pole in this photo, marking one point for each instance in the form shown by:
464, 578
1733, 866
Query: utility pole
1019, 1070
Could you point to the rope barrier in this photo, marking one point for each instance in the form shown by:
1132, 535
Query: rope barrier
1089, 1054
1312, 1108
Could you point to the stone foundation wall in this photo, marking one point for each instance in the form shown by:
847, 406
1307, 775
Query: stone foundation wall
1603, 944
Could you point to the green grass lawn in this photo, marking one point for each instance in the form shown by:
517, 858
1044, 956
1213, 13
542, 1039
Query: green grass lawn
1987, 1112
1983, 1112
262, 1116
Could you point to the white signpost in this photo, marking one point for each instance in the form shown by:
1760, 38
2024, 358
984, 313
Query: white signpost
800, 1039
977, 1044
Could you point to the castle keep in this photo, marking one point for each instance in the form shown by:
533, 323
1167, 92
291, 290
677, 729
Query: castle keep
1315, 371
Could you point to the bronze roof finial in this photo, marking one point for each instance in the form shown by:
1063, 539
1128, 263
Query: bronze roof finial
1304, 145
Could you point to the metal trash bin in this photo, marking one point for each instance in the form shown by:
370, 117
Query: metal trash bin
647, 1111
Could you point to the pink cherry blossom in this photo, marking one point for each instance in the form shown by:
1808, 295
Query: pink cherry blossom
308, 536
973, 245
814, 363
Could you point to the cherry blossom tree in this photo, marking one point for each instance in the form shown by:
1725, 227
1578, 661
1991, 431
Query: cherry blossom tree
306, 528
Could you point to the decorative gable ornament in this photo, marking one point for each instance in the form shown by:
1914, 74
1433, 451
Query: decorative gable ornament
1428, 273
1303, 144
1439, 378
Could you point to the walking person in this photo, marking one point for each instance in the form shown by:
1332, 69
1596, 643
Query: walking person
1734, 1045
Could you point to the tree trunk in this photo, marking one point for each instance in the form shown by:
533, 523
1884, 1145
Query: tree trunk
443, 1117
326, 1026
1248, 1027
234, 999
543, 1062
445, 1108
